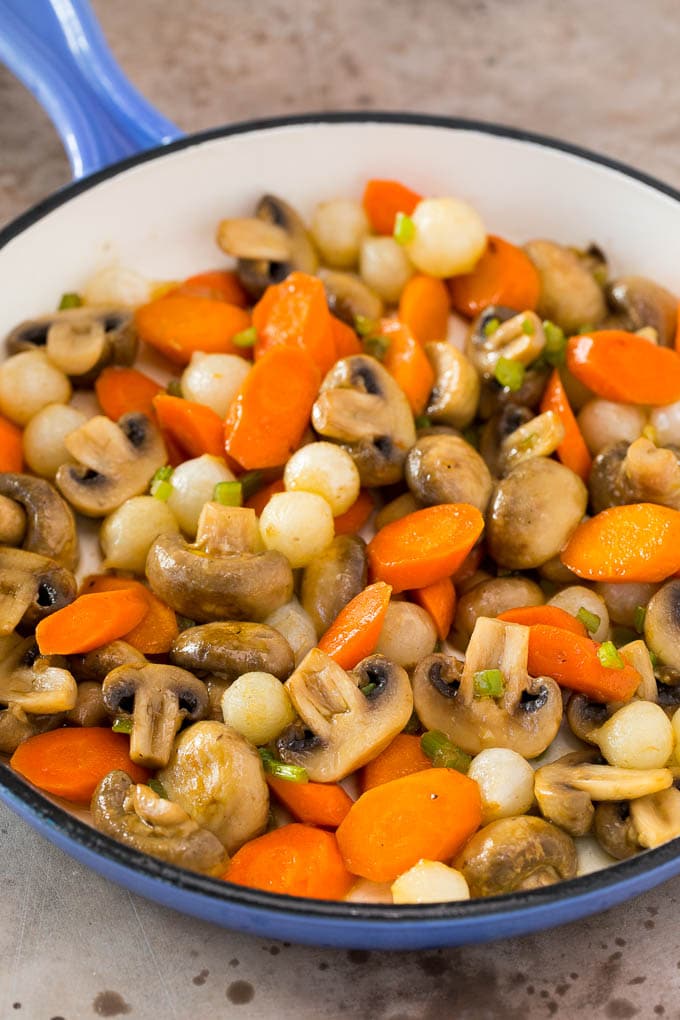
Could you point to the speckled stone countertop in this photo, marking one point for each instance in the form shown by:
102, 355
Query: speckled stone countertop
603, 75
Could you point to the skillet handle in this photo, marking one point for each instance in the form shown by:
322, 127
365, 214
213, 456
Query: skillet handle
57, 49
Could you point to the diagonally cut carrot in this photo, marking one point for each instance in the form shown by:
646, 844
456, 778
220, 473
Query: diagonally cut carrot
640, 542
295, 313
572, 451
424, 308
439, 600
622, 366
124, 390
400, 758
11, 449
504, 275
157, 631
91, 621
551, 616
196, 428
407, 363
323, 804
354, 633
182, 324
382, 201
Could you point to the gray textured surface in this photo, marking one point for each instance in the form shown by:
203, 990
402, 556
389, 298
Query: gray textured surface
604, 75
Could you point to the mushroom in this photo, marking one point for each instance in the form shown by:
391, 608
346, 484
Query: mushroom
565, 789
499, 332
493, 597
12, 522
16, 726
158, 699
228, 650
643, 303
349, 298
525, 717
569, 295
265, 255
31, 588
80, 341
89, 709
516, 854
446, 469
97, 664
223, 575
333, 579
37, 684
532, 513
637, 473
585, 717
455, 395
346, 718
538, 437
662, 624
218, 778
50, 528
361, 407
138, 817
115, 462
506, 420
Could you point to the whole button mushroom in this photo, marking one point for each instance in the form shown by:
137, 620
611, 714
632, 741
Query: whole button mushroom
31, 588
637, 473
50, 527
455, 394
569, 296
446, 469
36, 684
644, 303
623, 828
332, 579
228, 650
662, 624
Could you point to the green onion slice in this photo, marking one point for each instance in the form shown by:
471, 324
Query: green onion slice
528, 327
488, 683
609, 656
251, 482
122, 725
228, 493
421, 421
491, 326
158, 788
365, 326
246, 337
509, 373
70, 300
377, 346
160, 489
404, 228
174, 388
164, 474
443, 753
639, 618
368, 689
591, 621
555, 344
275, 767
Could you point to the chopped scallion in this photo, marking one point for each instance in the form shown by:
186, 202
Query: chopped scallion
443, 753
365, 326
471, 436
591, 621
368, 689
377, 346
160, 489
183, 622
228, 493
164, 474
413, 725
272, 765
404, 228
422, 422
650, 433
174, 388
158, 788
122, 725
555, 348
587, 327
528, 327
251, 482
70, 300
609, 656
639, 618
653, 658
488, 683
509, 373
491, 326
246, 337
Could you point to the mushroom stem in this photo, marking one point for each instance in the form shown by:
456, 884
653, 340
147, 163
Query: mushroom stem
155, 721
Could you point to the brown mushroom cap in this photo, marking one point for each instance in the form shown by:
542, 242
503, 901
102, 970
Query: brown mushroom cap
258, 274
614, 829
332, 579
230, 649
89, 709
495, 596
637, 473
585, 716
662, 624
50, 524
31, 588
348, 296
96, 665
16, 726
446, 469
569, 296
514, 854
34, 683
644, 303
455, 395
12, 522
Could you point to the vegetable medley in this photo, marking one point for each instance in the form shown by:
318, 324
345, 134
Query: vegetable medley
402, 526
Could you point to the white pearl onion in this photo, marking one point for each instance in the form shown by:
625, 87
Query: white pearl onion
213, 380
128, 533
604, 422
116, 285
43, 438
576, 597
430, 882
408, 634
506, 783
193, 484
676, 733
384, 267
638, 736
258, 707
327, 470
297, 524
449, 237
296, 626
28, 382
338, 228
666, 421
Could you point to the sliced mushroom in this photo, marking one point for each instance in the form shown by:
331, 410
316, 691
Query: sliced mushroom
643, 303
138, 817
228, 650
569, 296
637, 473
624, 828
342, 727
223, 575
614, 830
217, 777
37, 684
516, 854
493, 597
31, 588
50, 526
16, 726
585, 717
455, 395
396, 509
446, 469
12, 522
526, 716
495, 432
349, 298
89, 709
115, 462
333, 579
97, 665
499, 332
538, 437
662, 624
80, 341
261, 271
361, 407
565, 789
158, 699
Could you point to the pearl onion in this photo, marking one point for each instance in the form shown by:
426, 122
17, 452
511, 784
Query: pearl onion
666, 421
128, 533
258, 707
385, 267
408, 634
296, 626
297, 524
506, 783
214, 379
638, 736
193, 484
327, 470
28, 382
430, 882
43, 438
115, 285
338, 228
449, 237
577, 597
604, 422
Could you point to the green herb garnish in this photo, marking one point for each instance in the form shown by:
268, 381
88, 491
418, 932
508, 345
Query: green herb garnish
528, 326
491, 326
555, 348
443, 753
422, 422
377, 346
228, 493
275, 767
365, 326
368, 689
591, 621
404, 228
251, 482
174, 388
122, 725
488, 683
609, 656
245, 338
158, 788
70, 300
161, 489
639, 618
509, 373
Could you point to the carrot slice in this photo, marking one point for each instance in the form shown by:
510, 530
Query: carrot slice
157, 631
270, 412
572, 451
259, 500
295, 313
424, 546
407, 363
424, 308
181, 325
91, 621
11, 448
402, 757
197, 428
640, 542
621, 366
551, 616
296, 860
323, 804
124, 390
346, 340
439, 600
69, 763
382, 201
429, 814
355, 631
354, 519
217, 284
504, 275
573, 662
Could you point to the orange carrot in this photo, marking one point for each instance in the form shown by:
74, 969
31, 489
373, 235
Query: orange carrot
91, 621
621, 366
470, 565
11, 449
181, 325
428, 814
408, 364
439, 600
296, 860
123, 390
640, 542
354, 519
69, 763
324, 804
504, 275
424, 308
197, 428
550, 616
217, 284
572, 451
346, 340
384, 199
402, 757
176, 453
355, 631
259, 500
295, 313
677, 330
270, 412
424, 546
157, 631
572, 661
